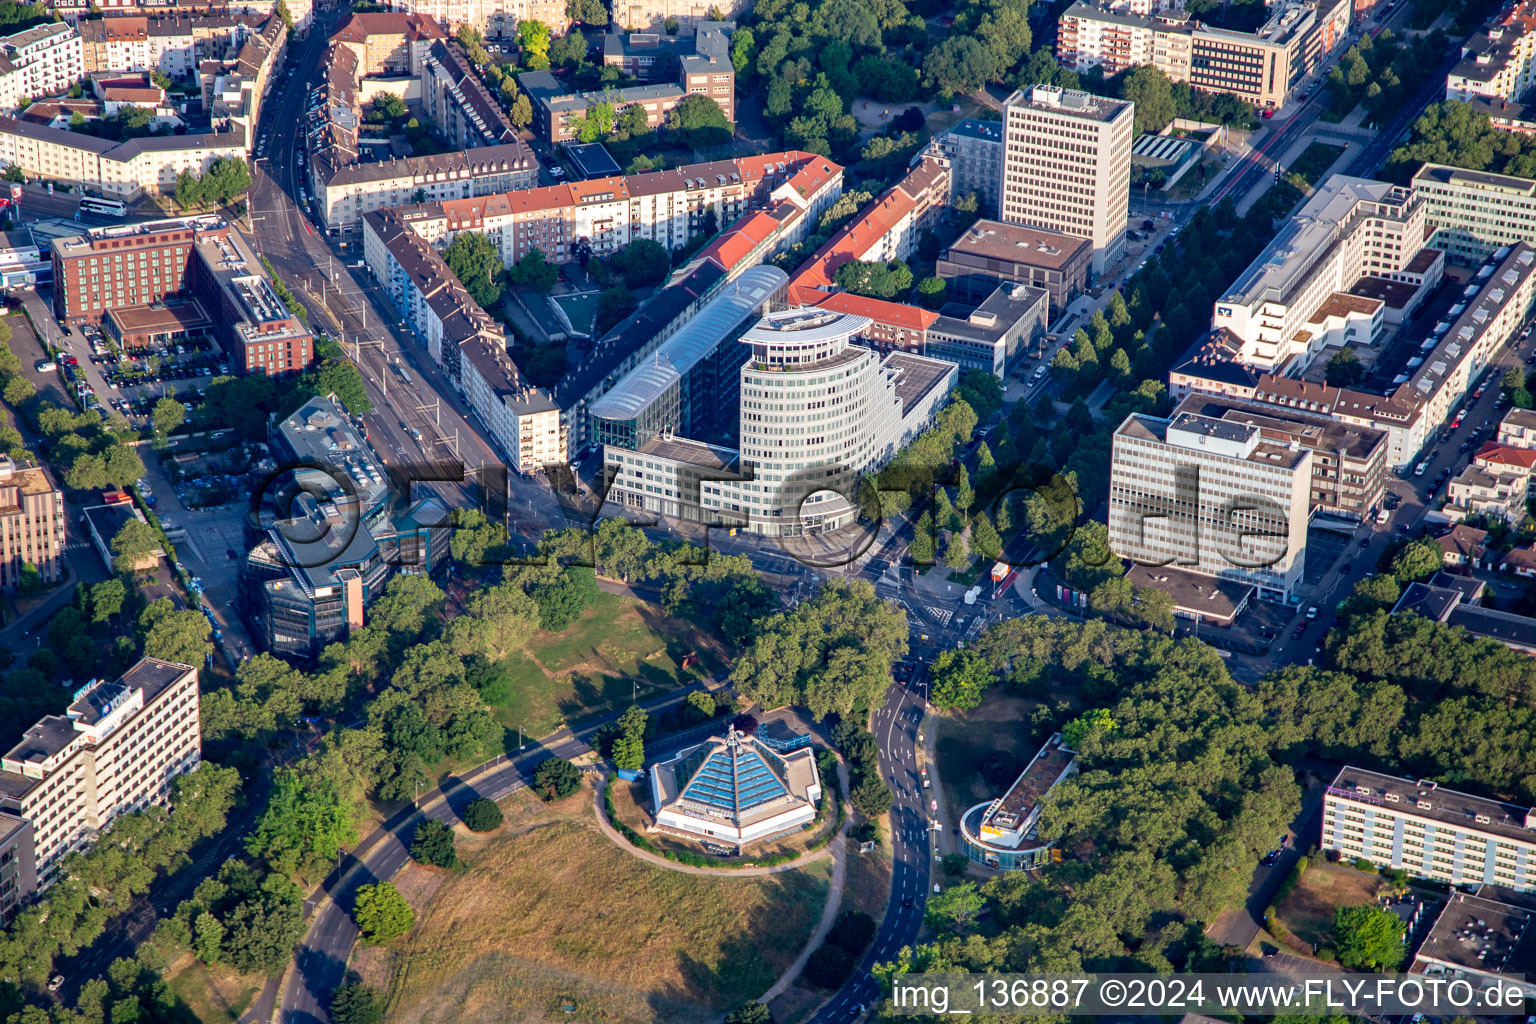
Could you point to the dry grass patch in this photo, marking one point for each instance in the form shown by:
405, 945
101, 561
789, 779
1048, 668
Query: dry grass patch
215, 995
1323, 887
558, 923
963, 739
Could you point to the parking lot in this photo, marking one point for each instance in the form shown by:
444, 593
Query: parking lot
131, 382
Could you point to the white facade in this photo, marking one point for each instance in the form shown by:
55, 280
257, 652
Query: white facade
1067, 166
1473, 213
48, 57
1350, 228
115, 750
1212, 497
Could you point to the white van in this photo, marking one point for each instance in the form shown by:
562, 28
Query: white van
1420, 468
1382, 515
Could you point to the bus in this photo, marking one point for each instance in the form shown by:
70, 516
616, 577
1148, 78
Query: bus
403, 373
103, 207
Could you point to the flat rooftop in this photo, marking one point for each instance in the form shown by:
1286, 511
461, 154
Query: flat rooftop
1047, 767
917, 376
1068, 103
1193, 593
185, 316
1318, 432
1015, 243
1442, 175
691, 452
1481, 934
1437, 803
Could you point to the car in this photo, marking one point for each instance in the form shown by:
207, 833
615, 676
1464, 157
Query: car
1365, 542
1270, 858
1420, 468
1301, 97
55, 983
907, 901
1312, 613
1268, 114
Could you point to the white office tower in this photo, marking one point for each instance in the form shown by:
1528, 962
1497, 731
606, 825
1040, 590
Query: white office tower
817, 411
1067, 166
1214, 497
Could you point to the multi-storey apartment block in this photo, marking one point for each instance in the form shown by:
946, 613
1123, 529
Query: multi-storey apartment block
556, 105
652, 15
1473, 213
116, 749
47, 59
1210, 496
31, 523
974, 150
174, 44
497, 19
347, 191
389, 43
1498, 63
118, 170
1429, 831
1351, 228
1067, 166
1260, 66
454, 97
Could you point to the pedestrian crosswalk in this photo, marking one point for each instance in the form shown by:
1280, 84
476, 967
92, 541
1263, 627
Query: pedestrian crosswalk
941, 615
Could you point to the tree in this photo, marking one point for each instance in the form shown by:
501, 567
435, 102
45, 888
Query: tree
750, 1013
482, 815
956, 906
392, 106
932, 292
1344, 369
356, 1003
432, 844
135, 542
700, 121
340, 377
168, 414
1417, 560
305, 823
871, 797
642, 262
587, 12
533, 270
562, 600
29, 581
627, 753
533, 36
1152, 92
960, 679
960, 64
522, 111
474, 260
1368, 938
1094, 721
107, 599
613, 305
556, 778
877, 280
180, 636
381, 912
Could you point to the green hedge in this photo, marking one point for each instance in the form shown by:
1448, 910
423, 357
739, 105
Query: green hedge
1290, 881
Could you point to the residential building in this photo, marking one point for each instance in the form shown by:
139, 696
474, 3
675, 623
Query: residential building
555, 105
703, 60
117, 170
991, 253
136, 279
1463, 545
974, 149
1495, 484
735, 790
1498, 63
1518, 429
496, 19
1004, 833
1429, 831
1067, 166
1211, 496
887, 229
1350, 229
689, 386
1473, 213
1260, 67
816, 412
116, 749
1485, 941
389, 42
1453, 600
348, 191
453, 96
32, 521
653, 15
47, 58
173, 44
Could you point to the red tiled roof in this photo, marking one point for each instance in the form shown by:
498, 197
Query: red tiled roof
895, 314
737, 243
1492, 451
852, 240
389, 23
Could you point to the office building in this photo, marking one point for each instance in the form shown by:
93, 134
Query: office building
1429, 831
703, 60
1261, 67
48, 58
1486, 941
1210, 496
556, 105
1350, 229
1498, 63
689, 386
1455, 601
116, 749
18, 867
160, 281
816, 412
1067, 166
1473, 213
736, 789
32, 521
991, 253
104, 522
1004, 833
